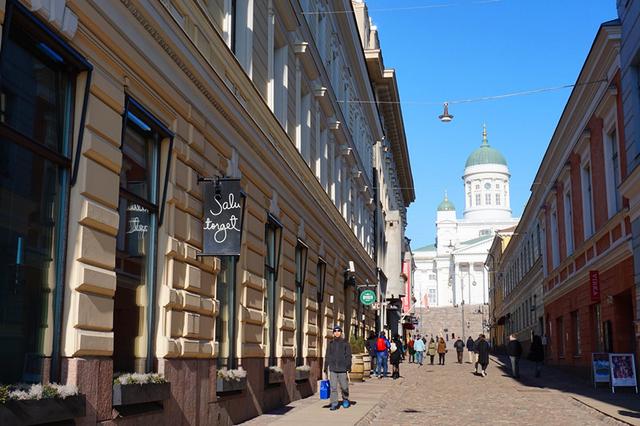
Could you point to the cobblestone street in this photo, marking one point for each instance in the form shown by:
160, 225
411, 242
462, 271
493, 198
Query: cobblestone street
453, 394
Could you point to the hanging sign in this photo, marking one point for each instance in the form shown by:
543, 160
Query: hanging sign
367, 297
623, 371
223, 217
594, 283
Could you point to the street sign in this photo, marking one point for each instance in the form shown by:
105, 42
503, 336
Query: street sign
367, 297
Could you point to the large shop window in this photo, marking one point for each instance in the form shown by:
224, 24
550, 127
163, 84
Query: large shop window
273, 241
301, 272
38, 78
136, 246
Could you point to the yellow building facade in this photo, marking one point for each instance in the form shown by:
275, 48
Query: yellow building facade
124, 107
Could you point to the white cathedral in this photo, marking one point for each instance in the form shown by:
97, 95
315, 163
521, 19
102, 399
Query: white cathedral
451, 271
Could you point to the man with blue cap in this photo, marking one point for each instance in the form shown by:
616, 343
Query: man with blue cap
338, 362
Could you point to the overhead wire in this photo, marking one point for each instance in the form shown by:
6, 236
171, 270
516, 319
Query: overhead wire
480, 98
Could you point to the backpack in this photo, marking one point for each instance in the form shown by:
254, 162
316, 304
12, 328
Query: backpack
381, 344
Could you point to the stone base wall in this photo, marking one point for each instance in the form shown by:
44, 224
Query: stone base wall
193, 400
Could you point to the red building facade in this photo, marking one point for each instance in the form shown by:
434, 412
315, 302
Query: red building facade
589, 292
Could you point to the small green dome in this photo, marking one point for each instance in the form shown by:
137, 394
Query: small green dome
485, 154
446, 205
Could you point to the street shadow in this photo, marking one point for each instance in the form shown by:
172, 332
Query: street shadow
281, 411
580, 384
411, 410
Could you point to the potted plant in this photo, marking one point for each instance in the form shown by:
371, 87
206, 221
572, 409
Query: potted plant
135, 388
40, 403
302, 373
357, 361
274, 375
232, 380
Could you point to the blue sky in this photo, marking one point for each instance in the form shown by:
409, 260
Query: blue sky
470, 49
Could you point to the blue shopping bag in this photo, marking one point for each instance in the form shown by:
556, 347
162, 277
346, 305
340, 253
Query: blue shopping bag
325, 389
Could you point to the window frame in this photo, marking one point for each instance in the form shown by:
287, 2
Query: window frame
301, 258
272, 223
81, 68
137, 110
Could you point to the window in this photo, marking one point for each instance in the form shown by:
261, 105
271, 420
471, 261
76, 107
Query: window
555, 250
487, 199
575, 328
301, 272
587, 201
497, 199
137, 239
477, 199
226, 320
537, 240
597, 327
280, 84
273, 242
568, 222
612, 169
37, 96
560, 337
241, 32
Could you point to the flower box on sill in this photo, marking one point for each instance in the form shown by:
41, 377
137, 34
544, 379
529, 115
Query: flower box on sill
232, 385
274, 375
40, 411
140, 393
302, 375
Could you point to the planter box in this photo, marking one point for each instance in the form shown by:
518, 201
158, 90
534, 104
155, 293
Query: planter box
138, 394
272, 378
35, 412
302, 375
223, 385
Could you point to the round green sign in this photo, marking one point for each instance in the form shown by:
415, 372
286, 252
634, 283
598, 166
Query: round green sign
367, 297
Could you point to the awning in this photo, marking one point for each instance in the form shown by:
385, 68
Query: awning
501, 320
408, 326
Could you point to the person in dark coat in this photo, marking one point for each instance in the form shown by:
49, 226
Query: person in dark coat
338, 362
514, 350
470, 343
483, 348
536, 353
459, 345
395, 357
371, 348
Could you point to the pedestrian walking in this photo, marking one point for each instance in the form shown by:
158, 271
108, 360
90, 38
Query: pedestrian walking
382, 354
442, 350
470, 343
412, 352
371, 348
339, 365
395, 357
536, 353
514, 350
399, 345
483, 354
459, 345
419, 347
431, 351
475, 352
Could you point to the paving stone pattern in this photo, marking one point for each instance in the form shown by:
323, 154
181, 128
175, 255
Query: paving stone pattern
454, 395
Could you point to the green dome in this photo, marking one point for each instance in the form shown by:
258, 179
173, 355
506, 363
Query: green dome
485, 154
446, 205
